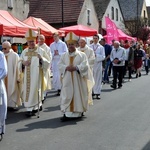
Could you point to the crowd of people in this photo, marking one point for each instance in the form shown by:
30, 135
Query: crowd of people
78, 72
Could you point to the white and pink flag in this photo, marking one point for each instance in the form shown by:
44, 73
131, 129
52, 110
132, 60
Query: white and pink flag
112, 33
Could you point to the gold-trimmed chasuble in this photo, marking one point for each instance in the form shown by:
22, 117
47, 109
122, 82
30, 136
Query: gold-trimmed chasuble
72, 102
30, 54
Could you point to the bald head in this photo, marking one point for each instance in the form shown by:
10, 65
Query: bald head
41, 39
6, 43
6, 46
82, 42
116, 44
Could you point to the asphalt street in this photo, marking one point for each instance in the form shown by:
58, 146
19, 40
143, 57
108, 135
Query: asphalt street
120, 120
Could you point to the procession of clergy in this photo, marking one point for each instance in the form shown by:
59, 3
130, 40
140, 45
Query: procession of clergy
77, 74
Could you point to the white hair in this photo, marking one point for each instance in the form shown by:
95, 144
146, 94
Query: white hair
42, 36
117, 42
82, 38
7, 43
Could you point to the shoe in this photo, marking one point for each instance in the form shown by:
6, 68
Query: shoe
114, 87
93, 96
129, 80
64, 118
119, 86
82, 114
98, 97
1, 136
139, 74
12, 109
35, 111
103, 82
43, 101
58, 92
30, 114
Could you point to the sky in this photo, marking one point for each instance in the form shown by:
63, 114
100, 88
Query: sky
147, 2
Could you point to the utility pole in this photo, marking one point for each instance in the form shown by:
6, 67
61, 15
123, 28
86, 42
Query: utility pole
137, 19
62, 12
62, 15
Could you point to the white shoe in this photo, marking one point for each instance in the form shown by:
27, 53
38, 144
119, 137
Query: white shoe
129, 80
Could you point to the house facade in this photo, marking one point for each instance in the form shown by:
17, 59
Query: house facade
57, 14
93, 14
135, 14
88, 16
113, 11
86, 12
18, 8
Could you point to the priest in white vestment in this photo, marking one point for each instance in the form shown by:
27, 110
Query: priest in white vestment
3, 94
42, 44
83, 47
97, 68
58, 47
12, 80
75, 90
33, 63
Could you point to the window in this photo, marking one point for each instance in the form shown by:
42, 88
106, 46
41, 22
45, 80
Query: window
10, 4
88, 16
144, 14
112, 13
116, 14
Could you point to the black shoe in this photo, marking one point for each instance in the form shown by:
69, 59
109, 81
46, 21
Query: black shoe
93, 94
30, 114
119, 86
58, 92
64, 118
98, 97
103, 82
113, 86
1, 136
35, 111
12, 109
43, 99
139, 74
82, 114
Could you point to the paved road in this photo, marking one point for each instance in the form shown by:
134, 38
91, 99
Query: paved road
119, 121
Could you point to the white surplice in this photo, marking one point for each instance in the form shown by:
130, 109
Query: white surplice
3, 94
12, 87
75, 86
97, 68
33, 76
91, 58
48, 73
62, 48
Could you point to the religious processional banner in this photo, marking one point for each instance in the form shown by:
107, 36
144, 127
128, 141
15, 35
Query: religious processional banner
111, 29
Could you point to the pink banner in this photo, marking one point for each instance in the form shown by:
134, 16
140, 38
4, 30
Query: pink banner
112, 33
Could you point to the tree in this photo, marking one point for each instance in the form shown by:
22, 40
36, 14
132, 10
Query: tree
138, 27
